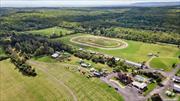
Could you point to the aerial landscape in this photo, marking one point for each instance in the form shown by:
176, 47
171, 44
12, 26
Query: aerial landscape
90, 51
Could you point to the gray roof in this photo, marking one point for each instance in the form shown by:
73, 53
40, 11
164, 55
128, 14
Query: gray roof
176, 87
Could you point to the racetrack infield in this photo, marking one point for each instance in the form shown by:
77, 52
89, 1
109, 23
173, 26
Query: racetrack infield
99, 42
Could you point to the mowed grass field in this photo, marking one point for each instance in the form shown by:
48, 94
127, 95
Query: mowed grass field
54, 82
163, 63
137, 51
51, 31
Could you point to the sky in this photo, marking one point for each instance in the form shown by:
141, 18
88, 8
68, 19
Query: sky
72, 3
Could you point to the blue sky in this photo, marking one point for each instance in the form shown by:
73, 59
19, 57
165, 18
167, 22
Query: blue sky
72, 3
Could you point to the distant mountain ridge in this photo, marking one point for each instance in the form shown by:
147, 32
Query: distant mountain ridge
155, 4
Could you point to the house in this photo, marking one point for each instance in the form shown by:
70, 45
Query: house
124, 78
141, 78
176, 87
141, 86
176, 79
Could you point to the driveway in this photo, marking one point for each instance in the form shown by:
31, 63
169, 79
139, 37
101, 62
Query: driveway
129, 94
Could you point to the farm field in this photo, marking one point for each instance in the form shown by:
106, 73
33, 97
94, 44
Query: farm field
53, 82
51, 31
136, 51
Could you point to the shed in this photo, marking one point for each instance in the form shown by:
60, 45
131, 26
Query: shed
85, 65
55, 55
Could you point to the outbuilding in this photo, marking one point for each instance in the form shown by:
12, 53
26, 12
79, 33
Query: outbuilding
140, 78
176, 87
176, 79
141, 86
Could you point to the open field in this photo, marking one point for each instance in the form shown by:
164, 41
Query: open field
99, 42
136, 51
163, 63
51, 31
53, 82
74, 61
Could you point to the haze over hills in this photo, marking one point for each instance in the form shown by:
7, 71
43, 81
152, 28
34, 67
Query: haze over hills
156, 4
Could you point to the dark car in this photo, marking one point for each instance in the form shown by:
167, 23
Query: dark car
116, 88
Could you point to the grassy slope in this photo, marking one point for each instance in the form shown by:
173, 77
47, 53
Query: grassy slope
17, 87
137, 51
164, 63
49, 31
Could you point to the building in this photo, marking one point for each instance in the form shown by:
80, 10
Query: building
97, 74
85, 65
117, 59
176, 87
133, 63
55, 55
150, 54
141, 78
176, 79
141, 86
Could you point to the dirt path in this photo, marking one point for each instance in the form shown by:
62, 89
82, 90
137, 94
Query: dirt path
148, 62
96, 46
45, 70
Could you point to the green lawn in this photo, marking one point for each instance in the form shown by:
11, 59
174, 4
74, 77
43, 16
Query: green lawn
49, 31
74, 61
2, 53
44, 59
150, 87
136, 51
47, 85
163, 63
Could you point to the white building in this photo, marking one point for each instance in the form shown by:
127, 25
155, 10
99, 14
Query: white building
139, 85
176, 87
176, 79
133, 63
55, 55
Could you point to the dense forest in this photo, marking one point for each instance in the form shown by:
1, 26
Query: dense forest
158, 24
